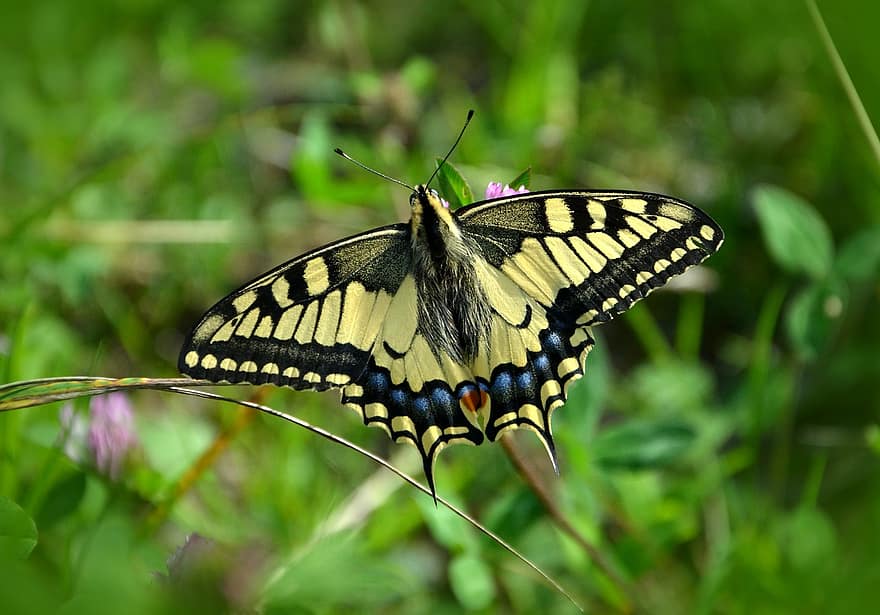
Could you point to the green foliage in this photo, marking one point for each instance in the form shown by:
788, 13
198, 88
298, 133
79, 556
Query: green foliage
720, 454
453, 185
524, 179
18, 532
796, 236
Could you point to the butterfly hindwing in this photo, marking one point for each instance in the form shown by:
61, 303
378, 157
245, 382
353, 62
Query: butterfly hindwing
408, 389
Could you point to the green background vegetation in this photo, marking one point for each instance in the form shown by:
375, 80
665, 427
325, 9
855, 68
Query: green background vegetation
721, 453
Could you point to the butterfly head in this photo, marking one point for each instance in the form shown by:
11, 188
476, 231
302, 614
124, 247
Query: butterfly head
432, 221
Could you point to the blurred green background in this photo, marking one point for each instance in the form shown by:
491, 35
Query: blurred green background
720, 456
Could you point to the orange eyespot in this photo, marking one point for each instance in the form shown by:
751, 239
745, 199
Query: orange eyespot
473, 400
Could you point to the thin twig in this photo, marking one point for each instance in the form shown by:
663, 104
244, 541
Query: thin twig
27, 393
539, 487
845, 80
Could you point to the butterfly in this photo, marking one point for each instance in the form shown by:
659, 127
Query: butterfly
459, 325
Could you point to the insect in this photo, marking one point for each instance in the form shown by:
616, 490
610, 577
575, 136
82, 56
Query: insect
458, 325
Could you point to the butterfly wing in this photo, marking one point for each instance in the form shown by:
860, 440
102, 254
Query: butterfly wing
310, 323
412, 391
557, 263
342, 316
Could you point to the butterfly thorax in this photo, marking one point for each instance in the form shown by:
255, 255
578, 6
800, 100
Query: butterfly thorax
452, 306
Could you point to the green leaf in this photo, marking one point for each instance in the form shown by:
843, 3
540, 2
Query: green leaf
872, 438
471, 582
812, 316
62, 500
453, 186
447, 528
523, 179
795, 235
809, 539
671, 387
18, 532
638, 445
859, 256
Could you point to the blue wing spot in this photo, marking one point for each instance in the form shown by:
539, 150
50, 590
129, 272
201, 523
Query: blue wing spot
541, 362
421, 405
501, 389
441, 396
552, 341
399, 397
526, 382
376, 383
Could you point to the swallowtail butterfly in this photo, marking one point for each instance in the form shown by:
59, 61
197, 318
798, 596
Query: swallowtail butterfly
457, 325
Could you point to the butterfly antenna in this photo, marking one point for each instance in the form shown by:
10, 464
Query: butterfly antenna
451, 149
373, 171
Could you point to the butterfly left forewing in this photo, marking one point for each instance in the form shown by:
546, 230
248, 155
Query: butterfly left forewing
590, 255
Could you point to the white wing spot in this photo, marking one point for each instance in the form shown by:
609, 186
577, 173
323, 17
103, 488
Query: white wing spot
628, 238
707, 232
636, 206
287, 322
316, 277
338, 379
678, 254
609, 303
191, 359
248, 323
264, 329
228, 364
641, 227
606, 244
244, 301
305, 331
666, 224
328, 319
596, 210
248, 366
209, 361
692, 243
594, 260
661, 265
375, 410
567, 366
280, 290
558, 216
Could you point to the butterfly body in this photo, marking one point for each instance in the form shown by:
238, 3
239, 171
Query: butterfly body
453, 311
461, 324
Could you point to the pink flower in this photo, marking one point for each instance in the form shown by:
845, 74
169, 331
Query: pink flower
111, 432
495, 190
